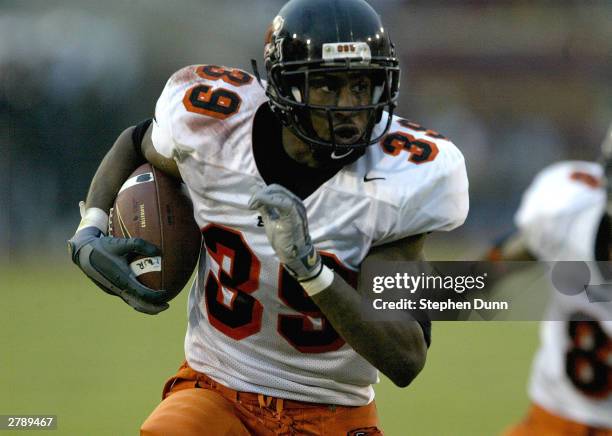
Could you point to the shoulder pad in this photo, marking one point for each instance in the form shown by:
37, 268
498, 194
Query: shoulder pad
559, 188
202, 100
425, 178
560, 197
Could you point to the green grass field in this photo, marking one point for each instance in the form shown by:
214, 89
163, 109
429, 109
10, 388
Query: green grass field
71, 351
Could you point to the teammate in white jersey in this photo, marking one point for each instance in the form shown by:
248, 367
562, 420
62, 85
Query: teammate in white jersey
564, 216
294, 182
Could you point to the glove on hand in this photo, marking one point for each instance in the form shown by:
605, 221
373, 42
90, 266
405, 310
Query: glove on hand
104, 260
286, 225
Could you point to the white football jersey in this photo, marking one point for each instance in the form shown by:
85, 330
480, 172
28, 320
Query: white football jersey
251, 326
559, 218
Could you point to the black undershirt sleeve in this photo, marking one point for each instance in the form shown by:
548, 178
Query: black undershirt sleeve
138, 134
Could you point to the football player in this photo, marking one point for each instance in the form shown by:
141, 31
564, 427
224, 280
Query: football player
295, 182
565, 216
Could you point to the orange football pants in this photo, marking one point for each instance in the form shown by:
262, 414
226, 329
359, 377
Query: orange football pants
194, 404
540, 422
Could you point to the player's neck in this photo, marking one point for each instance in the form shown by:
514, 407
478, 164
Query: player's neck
297, 149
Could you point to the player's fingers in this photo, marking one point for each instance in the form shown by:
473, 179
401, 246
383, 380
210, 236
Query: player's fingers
121, 246
151, 309
254, 203
147, 294
143, 306
259, 199
275, 190
271, 201
261, 204
279, 189
101, 286
140, 246
289, 196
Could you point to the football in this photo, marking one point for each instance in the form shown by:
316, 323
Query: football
155, 207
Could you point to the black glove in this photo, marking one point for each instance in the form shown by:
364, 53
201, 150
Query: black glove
104, 260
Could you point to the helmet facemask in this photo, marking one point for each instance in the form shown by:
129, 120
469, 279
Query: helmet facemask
335, 106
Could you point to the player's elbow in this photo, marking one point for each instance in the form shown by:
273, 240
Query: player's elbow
408, 366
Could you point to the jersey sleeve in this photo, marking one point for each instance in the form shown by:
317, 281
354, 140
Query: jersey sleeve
431, 196
564, 199
168, 110
199, 107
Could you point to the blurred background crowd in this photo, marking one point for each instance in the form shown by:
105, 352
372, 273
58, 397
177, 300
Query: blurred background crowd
515, 84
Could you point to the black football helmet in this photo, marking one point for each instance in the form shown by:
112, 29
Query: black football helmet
311, 38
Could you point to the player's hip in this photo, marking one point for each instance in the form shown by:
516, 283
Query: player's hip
263, 414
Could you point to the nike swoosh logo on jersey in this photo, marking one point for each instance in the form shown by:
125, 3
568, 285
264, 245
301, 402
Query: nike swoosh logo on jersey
366, 179
335, 156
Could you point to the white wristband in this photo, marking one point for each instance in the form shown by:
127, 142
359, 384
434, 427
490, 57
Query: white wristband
93, 217
320, 282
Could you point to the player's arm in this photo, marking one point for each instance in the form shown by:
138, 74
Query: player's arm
510, 248
132, 148
397, 348
102, 258
509, 255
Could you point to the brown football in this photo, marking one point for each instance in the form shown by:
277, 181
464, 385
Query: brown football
155, 207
